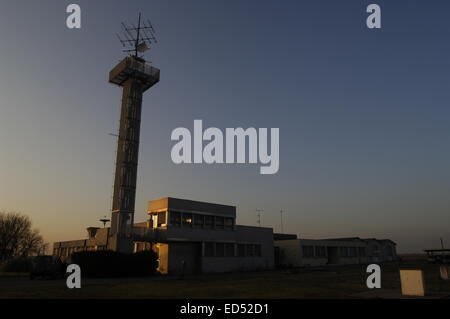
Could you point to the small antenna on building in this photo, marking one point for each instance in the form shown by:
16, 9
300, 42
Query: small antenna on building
281, 217
259, 211
104, 220
137, 39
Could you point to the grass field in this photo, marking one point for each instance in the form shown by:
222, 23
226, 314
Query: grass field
337, 282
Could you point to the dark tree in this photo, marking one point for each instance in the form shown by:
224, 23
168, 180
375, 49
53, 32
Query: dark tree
17, 237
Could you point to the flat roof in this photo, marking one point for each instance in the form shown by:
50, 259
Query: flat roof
191, 206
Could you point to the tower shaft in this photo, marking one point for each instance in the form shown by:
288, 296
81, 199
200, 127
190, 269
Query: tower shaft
127, 157
135, 77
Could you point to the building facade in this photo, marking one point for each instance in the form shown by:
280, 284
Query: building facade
190, 237
339, 251
197, 237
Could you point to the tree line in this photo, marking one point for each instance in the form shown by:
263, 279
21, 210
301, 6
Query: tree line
18, 238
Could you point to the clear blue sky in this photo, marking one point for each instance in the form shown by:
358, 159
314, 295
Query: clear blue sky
363, 114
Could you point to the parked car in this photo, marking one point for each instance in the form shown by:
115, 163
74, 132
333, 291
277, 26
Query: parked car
46, 267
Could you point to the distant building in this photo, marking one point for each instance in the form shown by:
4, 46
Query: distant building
190, 237
336, 251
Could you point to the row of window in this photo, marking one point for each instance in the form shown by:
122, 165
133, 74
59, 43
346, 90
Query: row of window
352, 251
231, 250
200, 221
321, 251
68, 251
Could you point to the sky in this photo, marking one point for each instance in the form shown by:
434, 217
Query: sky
363, 114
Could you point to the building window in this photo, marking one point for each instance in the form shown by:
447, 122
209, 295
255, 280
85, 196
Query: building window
343, 251
175, 218
320, 251
362, 251
198, 221
257, 250
161, 219
229, 223
308, 251
220, 249
219, 222
241, 250
187, 220
229, 250
352, 251
249, 250
209, 249
209, 222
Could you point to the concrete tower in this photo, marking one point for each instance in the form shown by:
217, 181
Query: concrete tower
135, 77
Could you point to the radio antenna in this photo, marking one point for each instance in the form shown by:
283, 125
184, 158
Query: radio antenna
138, 39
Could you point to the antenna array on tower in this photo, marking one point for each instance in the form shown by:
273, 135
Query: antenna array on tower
137, 39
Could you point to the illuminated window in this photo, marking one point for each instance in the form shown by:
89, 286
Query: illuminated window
187, 220
161, 219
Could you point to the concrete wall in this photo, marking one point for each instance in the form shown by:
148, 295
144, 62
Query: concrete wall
185, 258
235, 264
186, 244
290, 252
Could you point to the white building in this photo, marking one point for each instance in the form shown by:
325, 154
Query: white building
189, 237
203, 237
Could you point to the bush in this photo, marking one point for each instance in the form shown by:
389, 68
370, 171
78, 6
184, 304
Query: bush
114, 264
20, 264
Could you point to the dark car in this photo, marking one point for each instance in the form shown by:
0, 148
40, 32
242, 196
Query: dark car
46, 267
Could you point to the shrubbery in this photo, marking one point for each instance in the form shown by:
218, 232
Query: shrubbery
114, 264
20, 264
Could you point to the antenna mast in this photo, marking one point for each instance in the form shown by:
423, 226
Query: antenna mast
259, 211
137, 39
281, 216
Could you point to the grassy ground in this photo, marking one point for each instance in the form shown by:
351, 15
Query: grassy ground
338, 282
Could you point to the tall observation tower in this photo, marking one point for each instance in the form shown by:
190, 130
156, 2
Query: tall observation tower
135, 76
